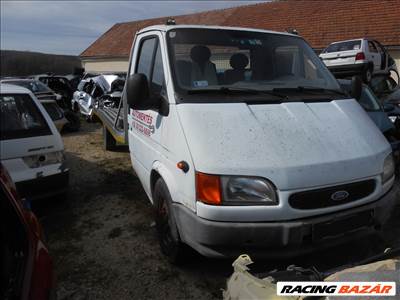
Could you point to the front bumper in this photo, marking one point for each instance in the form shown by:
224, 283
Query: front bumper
280, 238
348, 70
44, 187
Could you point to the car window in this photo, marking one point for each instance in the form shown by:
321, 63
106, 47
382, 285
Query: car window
20, 117
88, 87
380, 85
97, 91
371, 47
368, 100
379, 47
81, 85
343, 46
146, 56
157, 80
34, 86
53, 110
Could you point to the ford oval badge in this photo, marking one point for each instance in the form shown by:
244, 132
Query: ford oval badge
340, 195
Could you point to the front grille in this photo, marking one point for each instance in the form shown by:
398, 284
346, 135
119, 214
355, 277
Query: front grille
322, 198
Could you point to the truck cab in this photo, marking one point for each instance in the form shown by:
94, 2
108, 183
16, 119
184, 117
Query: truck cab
244, 141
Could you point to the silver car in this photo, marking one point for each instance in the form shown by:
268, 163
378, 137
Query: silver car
89, 90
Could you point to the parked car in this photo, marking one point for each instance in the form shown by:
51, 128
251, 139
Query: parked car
55, 113
236, 156
43, 92
60, 85
50, 100
26, 266
106, 88
388, 92
392, 106
31, 148
379, 114
363, 57
40, 90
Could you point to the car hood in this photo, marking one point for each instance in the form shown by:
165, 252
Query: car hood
295, 145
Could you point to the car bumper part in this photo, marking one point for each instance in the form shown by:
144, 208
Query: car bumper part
280, 238
44, 187
348, 70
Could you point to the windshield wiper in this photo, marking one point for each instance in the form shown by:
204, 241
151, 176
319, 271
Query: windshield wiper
309, 89
237, 90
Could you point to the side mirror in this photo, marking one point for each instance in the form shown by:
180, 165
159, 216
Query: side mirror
137, 91
139, 97
356, 87
388, 107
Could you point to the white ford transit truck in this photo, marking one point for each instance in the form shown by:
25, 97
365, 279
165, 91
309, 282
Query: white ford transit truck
244, 141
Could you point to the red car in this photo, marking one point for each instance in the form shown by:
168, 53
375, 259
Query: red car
26, 269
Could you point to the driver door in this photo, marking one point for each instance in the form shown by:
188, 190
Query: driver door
145, 126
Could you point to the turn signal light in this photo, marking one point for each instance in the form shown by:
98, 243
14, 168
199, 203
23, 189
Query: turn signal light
208, 188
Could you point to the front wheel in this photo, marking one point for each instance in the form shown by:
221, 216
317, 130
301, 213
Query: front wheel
167, 230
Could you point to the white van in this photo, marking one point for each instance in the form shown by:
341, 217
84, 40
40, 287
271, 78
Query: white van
31, 148
244, 141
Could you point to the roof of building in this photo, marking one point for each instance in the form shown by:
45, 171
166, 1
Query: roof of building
320, 22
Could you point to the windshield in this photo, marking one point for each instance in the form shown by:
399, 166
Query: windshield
343, 46
20, 117
33, 86
221, 60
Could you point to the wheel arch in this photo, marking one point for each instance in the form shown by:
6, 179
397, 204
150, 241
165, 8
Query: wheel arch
161, 171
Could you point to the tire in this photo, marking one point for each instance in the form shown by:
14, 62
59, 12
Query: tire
109, 143
74, 122
167, 230
367, 75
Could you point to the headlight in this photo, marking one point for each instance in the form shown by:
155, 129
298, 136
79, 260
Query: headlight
388, 169
235, 190
248, 191
39, 160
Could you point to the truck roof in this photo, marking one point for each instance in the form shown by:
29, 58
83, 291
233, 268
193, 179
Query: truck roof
171, 27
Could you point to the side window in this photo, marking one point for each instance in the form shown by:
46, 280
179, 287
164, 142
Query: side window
379, 47
145, 57
97, 91
372, 47
158, 73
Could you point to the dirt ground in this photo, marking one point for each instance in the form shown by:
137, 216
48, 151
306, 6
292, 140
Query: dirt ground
104, 245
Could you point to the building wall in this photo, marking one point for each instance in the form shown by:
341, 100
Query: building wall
105, 65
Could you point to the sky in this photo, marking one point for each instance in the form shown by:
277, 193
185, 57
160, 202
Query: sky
69, 27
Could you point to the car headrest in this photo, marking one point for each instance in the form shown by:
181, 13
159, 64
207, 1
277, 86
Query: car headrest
238, 61
200, 54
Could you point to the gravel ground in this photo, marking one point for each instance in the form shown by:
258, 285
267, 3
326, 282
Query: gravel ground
104, 246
